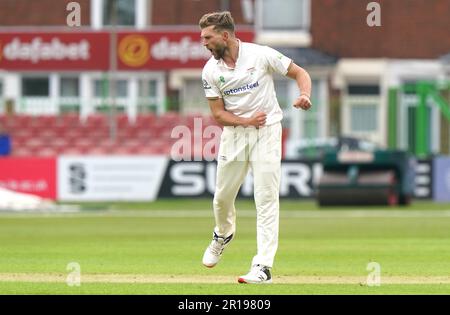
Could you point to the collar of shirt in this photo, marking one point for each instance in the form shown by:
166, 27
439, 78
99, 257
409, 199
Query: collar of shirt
222, 63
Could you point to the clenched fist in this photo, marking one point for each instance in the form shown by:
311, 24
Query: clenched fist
303, 102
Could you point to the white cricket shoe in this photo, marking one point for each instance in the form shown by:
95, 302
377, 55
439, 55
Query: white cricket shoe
259, 274
214, 251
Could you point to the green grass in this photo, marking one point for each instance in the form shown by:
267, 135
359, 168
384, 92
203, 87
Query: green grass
328, 242
220, 289
242, 204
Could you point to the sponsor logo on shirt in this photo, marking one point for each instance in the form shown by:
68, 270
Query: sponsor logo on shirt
244, 88
206, 85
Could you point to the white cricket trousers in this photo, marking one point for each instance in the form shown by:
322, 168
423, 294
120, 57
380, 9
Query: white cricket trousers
259, 150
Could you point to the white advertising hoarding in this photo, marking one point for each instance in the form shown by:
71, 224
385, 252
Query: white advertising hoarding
110, 178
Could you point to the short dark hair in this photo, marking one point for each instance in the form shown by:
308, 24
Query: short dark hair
221, 21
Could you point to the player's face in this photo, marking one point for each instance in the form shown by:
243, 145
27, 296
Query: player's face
214, 41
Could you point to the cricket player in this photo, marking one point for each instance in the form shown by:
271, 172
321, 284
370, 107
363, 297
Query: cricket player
239, 86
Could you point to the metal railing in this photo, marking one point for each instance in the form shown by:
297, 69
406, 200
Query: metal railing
55, 106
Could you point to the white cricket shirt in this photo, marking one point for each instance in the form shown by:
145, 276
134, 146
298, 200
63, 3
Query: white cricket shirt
249, 87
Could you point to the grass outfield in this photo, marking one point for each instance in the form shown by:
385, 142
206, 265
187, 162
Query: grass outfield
156, 248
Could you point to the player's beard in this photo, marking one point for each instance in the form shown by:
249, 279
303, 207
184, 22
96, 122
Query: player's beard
219, 52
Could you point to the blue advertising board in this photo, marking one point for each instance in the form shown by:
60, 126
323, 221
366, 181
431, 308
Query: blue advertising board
441, 179
5, 144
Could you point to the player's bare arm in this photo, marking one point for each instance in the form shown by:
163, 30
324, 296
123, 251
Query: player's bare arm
226, 118
304, 83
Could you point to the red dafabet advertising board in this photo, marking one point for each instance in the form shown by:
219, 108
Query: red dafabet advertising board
45, 51
164, 50
90, 51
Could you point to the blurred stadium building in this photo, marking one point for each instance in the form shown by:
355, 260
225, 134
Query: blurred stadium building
121, 81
